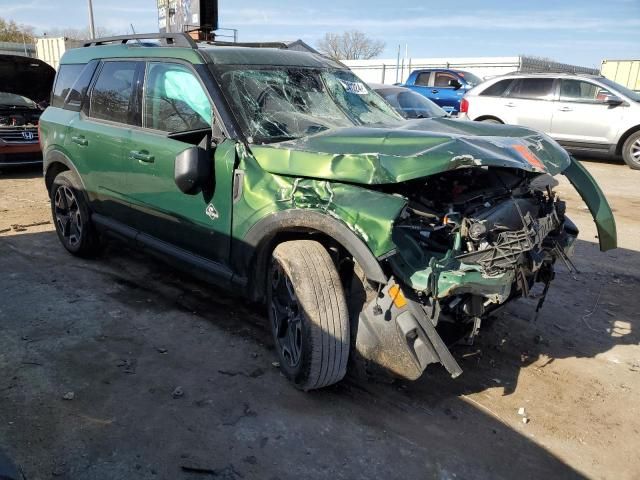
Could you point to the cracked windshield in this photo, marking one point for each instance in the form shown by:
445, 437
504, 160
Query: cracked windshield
274, 105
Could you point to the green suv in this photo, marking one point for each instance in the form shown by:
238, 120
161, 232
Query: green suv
280, 176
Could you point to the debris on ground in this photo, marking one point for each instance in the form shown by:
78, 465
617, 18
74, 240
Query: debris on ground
69, 396
178, 392
522, 412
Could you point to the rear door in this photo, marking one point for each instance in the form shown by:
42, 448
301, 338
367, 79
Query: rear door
529, 103
97, 137
444, 95
581, 116
177, 114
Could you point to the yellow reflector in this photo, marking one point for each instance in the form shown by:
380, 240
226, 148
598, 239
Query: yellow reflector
397, 296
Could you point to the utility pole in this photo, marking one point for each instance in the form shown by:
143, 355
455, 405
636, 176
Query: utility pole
92, 27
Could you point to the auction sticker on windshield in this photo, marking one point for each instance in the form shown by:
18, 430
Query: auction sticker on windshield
354, 87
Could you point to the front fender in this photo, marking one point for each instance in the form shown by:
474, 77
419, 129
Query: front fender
595, 200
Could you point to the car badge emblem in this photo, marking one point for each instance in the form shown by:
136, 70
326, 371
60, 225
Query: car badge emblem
211, 212
28, 135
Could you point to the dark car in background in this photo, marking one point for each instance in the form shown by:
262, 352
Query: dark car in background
408, 103
25, 88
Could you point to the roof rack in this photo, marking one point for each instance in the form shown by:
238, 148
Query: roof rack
166, 40
280, 45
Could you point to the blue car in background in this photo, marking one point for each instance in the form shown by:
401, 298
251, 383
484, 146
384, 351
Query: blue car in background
444, 86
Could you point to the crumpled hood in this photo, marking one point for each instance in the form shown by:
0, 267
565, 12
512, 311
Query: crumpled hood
27, 77
415, 149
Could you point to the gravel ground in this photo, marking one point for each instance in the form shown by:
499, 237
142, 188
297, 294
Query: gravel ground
121, 368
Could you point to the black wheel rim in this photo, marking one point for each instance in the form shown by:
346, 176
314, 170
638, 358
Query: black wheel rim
68, 217
286, 317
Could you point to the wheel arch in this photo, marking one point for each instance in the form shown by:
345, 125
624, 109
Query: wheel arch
624, 138
55, 162
253, 254
487, 117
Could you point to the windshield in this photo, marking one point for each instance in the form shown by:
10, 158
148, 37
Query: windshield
411, 104
470, 78
13, 100
274, 104
635, 96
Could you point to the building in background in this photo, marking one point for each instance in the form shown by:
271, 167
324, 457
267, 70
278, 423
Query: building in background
392, 71
625, 72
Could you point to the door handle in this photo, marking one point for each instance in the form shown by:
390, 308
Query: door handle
434, 91
565, 109
80, 140
142, 156
511, 105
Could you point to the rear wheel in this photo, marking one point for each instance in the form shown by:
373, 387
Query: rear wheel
631, 151
308, 314
71, 217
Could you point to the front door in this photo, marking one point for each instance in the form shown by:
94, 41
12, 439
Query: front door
177, 114
581, 116
444, 95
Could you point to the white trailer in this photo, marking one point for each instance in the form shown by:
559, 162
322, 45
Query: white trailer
391, 71
625, 72
51, 49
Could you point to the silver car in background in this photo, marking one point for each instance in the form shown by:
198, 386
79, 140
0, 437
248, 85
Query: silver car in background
581, 112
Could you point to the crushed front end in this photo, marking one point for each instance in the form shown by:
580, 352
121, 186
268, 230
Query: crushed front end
468, 241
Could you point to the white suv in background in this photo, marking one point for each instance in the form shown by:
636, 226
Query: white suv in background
581, 112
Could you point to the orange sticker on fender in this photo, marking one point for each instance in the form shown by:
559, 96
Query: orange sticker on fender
530, 157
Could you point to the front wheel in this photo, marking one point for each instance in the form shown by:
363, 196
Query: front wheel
308, 314
631, 151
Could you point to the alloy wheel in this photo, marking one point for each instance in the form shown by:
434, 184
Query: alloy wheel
68, 216
635, 151
286, 317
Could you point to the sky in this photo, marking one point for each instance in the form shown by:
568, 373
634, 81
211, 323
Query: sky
582, 32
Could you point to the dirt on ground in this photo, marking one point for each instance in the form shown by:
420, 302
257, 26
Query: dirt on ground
122, 368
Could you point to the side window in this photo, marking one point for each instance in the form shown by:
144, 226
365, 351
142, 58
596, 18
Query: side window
73, 100
174, 99
497, 89
443, 79
532, 88
113, 92
579, 91
67, 75
423, 79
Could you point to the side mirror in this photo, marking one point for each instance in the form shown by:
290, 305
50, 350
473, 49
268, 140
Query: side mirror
455, 84
612, 100
193, 171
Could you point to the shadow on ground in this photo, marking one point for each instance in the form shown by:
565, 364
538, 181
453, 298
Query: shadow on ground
123, 332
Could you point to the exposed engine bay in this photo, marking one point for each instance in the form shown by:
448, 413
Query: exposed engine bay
10, 117
503, 226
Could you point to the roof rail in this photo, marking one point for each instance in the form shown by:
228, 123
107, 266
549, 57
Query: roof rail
280, 45
166, 39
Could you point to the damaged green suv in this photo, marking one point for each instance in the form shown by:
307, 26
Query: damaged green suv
281, 176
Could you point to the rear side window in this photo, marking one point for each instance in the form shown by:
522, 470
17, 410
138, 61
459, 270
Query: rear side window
67, 76
113, 93
74, 98
423, 79
497, 89
532, 88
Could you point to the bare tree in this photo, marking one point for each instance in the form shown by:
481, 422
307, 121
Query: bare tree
10, 31
350, 45
78, 33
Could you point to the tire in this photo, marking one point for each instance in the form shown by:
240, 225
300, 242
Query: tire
308, 315
631, 151
492, 120
71, 217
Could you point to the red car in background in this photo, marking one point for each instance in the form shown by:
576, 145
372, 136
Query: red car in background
25, 90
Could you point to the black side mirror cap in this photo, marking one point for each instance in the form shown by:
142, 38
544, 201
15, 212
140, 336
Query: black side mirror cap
193, 170
612, 100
